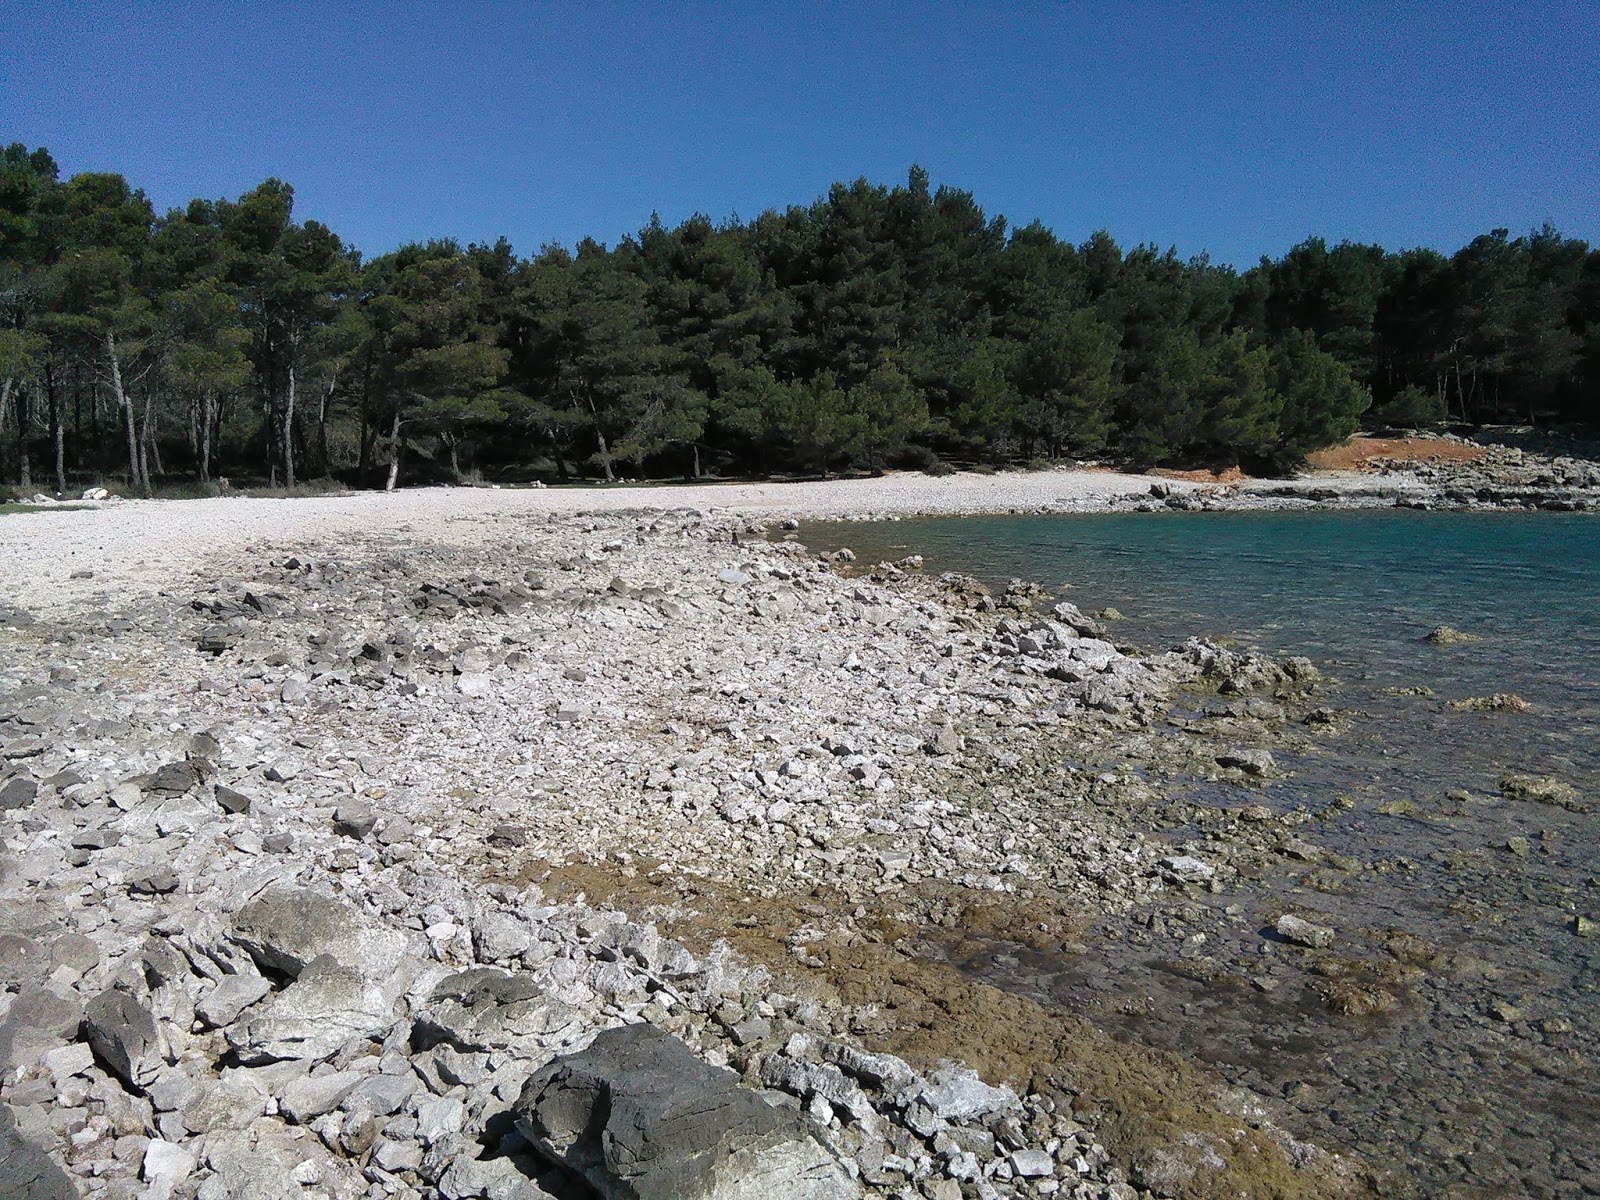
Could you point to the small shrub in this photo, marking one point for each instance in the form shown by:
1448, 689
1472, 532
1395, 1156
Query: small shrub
1411, 407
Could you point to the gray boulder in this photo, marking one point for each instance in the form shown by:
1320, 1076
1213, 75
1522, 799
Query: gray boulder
39, 1020
288, 928
639, 1117
122, 1031
28, 1172
486, 1009
329, 1005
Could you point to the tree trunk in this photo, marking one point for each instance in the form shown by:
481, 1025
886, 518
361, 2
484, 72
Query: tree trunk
58, 443
600, 437
147, 438
455, 459
394, 452
696, 448
135, 466
203, 453
24, 418
369, 426
288, 427
322, 431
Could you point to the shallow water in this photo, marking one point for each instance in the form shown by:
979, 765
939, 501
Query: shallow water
1483, 1081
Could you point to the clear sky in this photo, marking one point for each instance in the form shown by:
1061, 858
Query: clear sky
1233, 128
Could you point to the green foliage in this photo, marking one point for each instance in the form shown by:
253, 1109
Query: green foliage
1320, 402
1411, 408
877, 325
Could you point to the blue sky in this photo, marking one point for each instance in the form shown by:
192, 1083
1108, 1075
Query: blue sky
1233, 128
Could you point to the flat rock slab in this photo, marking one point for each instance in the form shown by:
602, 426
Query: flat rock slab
638, 1117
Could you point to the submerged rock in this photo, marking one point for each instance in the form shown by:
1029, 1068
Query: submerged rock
1303, 932
1542, 789
1498, 702
1444, 635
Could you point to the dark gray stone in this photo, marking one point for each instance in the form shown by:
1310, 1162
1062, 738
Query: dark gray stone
354, 819
153, 881
639, 1117
18, 792
122, 1032
174, 779
27, 1171
22, 960
39, 1019
232, 801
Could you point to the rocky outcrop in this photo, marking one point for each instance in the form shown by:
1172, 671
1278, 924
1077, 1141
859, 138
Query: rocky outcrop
280, 902
640, 1118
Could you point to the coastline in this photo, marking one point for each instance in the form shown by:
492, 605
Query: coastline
506, 724
140, 546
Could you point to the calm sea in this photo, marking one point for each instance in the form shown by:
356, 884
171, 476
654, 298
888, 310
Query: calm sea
1485, 1081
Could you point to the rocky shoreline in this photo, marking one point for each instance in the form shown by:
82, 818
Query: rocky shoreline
310, 870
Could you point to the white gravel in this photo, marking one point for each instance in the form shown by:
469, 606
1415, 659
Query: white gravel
136, 547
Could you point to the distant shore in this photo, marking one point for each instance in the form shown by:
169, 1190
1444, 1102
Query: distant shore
141, 546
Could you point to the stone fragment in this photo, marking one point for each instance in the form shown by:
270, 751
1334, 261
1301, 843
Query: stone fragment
957, 1094
27, 1171
1251, 762
1303, 932
882, 1071
380, 1095
165, 1167
1543, 789
232, 801
1032, 1164
22, 960
174, 779
152, 880
17, 792
39, 1020
640, 1118
1444, 635
288, 928
312, 1095
327, 1006
122, 1030
1185, 868
354, 819
486, 1009
500, 937
232, 995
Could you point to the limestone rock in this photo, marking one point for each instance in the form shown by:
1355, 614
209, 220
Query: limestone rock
288, 928
327, 1006
232, 995
122, 1030
27, 1171
484, 1009
1303, 932
640, 1118
957, 1094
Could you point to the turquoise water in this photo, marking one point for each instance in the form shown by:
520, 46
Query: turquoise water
1449, 1093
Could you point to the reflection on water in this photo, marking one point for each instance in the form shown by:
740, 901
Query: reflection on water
1482, 1081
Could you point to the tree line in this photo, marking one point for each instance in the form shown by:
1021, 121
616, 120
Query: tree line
876, 326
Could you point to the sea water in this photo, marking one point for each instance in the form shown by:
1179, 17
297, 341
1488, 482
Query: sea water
1486, 1079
